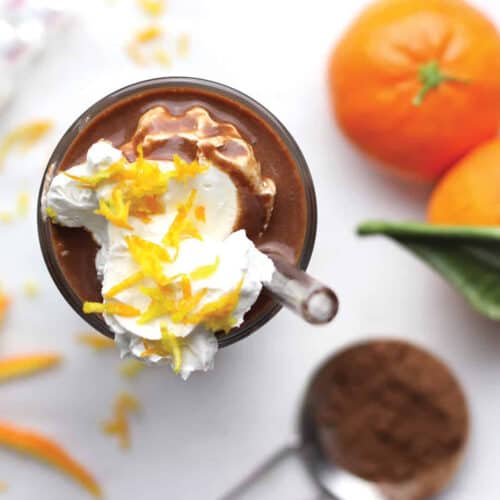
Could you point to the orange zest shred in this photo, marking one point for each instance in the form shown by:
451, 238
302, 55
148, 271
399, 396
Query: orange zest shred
115, 307
162, 57
21, 366
51, 213
30, 289
148, 34
218, 314
133, 50
150, 258
172, 344
182, 227
204, 272
130, 368
23, 137
184, 170
123, 285
44, 449
200, 213
116, 210
23, 204
118, 425
106, 174
169, 346
164, 302
6, 217
154, 8
96, 341
4, 305
3, 487
143, 184
183, 45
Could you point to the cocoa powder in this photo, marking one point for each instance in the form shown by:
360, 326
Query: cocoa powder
388, 411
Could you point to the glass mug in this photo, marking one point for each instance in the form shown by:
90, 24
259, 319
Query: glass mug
243, 101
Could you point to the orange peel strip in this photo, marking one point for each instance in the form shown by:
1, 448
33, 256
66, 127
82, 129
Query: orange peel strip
24, 137
124, 405
4, 305
183, 45
148, 34
116, 308
130, 368
162, 57
24, 365
154, 8
200, 213
96, 341
123, 285
42, 448
204, 272
23, 203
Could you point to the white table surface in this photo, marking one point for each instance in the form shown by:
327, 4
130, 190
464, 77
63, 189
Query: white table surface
193, 440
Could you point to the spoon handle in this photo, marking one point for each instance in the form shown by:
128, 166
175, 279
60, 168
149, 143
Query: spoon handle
276, 459
309, 298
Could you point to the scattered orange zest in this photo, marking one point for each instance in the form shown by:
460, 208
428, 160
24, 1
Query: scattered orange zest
183, 45
107, 174
30, 289
204, 272
169, 346
116, 308
200, 213
150, 258
21, 366
4, 305
130, 368
51, 213
23, 204
164, 303
23, 137
152, 7
182, 228
6, 217
96, 341
184, 170
124, 405
173, 345
123, 285
116, 210
148, 34
218, 314
134, 52
44, 449
162, 57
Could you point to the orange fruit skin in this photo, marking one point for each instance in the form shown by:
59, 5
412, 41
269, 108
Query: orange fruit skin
374, 76
469, 194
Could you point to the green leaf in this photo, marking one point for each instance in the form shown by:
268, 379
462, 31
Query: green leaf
467, 257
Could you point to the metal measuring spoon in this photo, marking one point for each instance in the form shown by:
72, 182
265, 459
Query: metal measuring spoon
334, 482
315, 439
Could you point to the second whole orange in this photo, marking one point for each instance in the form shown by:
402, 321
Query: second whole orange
469, 194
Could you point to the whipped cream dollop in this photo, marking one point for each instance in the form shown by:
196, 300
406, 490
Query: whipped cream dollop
181, 271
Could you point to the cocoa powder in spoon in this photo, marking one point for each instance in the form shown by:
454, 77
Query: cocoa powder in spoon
391, 413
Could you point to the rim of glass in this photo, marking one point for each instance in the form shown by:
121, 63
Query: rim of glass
81, 122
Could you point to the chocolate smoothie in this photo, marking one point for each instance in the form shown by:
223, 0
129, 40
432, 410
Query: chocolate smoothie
278, 222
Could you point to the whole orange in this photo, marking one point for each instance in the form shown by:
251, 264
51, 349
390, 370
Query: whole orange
416, 83
469, 194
